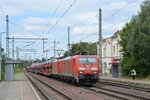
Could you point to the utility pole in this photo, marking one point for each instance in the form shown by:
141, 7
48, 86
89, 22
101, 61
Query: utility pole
46, 53
43, 45
1, 53
13, 48
54, 48
17, 53
34, 53
100, 41
68, 40
7, 37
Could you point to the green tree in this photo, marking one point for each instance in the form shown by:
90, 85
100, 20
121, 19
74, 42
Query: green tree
66, 54
85, 46
135, 42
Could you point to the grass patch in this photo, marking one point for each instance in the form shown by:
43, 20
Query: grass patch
3, 76
18, 70
148, 78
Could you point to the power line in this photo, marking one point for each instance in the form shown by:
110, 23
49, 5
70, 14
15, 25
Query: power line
61, 17
96, 33
83, 23
124, 7
52, 16
90, 18
109, 16
58, 5
23, 28
105, 28
27, 46
71, 5
2, 10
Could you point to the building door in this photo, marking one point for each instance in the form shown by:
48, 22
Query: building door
115, 70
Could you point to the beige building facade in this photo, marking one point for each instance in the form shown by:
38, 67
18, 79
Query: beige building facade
110, 53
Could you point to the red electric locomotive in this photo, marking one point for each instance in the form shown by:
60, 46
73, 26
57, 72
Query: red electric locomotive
78, 68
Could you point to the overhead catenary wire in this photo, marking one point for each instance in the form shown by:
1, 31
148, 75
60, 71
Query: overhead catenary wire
50, 20
2, 10
104, 29
124, 7
71, 5
24, 47
109, 16
55, 11
60, 18
21, 27
24, 28
83, 23
92, 17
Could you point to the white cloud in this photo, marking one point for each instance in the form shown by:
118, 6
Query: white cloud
17, 7
77, 19
34, 15
84, 30
35, 28
114, 6
20, 35
35, 21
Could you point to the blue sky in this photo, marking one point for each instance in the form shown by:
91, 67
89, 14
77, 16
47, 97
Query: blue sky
37, 19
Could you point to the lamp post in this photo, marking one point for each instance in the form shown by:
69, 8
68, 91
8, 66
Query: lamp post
1, 53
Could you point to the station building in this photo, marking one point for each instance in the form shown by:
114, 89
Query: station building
111, 55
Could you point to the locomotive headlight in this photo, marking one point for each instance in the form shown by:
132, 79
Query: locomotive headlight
81, 72
81, 68
94, 68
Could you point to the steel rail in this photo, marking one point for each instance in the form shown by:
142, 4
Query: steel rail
126, 95
129, 86
37, 87
68, 97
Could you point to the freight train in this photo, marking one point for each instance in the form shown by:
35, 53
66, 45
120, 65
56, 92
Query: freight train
83, 69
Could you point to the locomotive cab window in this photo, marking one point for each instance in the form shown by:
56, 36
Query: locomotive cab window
92, 60
87, 60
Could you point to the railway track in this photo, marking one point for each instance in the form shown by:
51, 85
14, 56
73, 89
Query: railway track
115, 93
122, 91
48, 92
129, 86
99, 89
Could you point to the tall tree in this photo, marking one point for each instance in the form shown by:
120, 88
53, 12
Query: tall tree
135, 42
85, 46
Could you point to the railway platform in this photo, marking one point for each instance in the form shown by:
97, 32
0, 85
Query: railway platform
128, 81
18, 89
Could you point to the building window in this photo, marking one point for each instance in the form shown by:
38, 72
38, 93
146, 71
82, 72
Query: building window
104, 52
117, 48
114, 49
